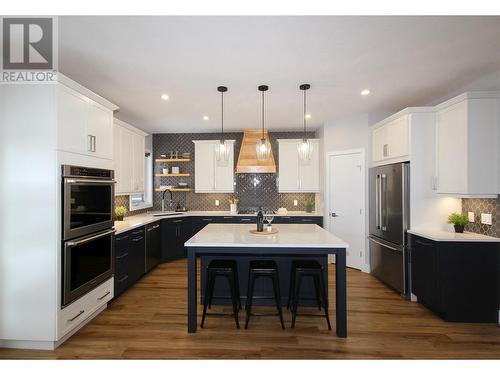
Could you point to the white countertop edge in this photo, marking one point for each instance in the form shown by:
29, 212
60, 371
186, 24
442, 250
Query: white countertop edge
442, 236
266, 246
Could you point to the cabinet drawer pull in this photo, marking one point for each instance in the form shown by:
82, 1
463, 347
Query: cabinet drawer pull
121, 238
137, 232
122, 256
177, 221
156, 226
104, 296
76, 316
306, 220
137, 239
227, 217
286, 217
246, 219
207, 219
123, 279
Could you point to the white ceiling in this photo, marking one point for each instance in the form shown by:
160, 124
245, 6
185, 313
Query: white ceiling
405, 61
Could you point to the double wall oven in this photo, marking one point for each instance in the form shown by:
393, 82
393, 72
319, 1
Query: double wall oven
87, 229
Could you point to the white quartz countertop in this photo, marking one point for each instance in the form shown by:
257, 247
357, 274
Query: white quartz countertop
437, 235
289, 235
131, 222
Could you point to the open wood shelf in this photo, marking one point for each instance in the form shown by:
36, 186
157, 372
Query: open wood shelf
172, 160
174, 189
172, 174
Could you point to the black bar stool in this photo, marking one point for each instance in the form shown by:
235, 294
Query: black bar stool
229, 270
307, 268
263, 268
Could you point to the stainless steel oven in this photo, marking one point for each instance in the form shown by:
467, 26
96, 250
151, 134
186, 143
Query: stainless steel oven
87, 262
88, 200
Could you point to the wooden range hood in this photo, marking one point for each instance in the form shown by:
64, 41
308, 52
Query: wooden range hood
247, 160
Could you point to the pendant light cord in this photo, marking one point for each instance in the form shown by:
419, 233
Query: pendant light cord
262, 114
304, 114
222, 117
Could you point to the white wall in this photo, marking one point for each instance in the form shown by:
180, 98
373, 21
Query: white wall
344, 135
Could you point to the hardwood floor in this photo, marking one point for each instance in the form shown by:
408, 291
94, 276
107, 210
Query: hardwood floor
149, 321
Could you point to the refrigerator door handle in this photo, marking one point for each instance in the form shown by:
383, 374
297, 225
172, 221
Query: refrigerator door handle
394, 248
383, 201
377, 202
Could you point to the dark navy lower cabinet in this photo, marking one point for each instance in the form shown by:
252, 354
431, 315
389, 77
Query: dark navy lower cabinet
174, 233
459, 281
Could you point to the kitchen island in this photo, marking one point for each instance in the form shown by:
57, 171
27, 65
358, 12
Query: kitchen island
292, 240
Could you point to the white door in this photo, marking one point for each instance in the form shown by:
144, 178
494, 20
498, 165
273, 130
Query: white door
346, 203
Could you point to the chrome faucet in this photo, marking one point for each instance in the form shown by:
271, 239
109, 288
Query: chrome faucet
163, 200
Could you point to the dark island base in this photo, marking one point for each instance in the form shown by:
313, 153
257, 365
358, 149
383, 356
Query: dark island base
263, 286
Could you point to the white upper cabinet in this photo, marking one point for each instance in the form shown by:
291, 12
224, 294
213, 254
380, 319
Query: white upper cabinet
84, 126
296, 175
467, 145
391, 140
129, 158
209, 177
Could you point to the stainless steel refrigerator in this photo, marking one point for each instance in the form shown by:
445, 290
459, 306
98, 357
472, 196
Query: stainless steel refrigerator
389, 210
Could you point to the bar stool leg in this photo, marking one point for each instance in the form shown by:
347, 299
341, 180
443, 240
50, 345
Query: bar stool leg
208, 283
251, 283
316, 288
277, 296
212, 287
237, 281
233, 298
291, 288
324, 298
295, 302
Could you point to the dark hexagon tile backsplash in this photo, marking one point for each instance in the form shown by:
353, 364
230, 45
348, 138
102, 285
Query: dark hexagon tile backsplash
486, 206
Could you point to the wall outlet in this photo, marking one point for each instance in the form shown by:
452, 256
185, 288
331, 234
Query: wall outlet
486, 219
295, 202
217, 202
471, 217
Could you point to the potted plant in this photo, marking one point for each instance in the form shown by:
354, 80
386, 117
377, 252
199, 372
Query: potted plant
308, 204
120, 212
458, 221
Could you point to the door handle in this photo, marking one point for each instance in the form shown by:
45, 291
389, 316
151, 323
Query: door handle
383, 211
102, 297
76, 316
334, 214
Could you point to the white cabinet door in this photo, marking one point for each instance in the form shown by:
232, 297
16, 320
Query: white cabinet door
204, 167
100, 127
126, 161
72, 121
117, 152
309, 171
224, 175
288, 167
398, 138
379, 143
451, 150
138, 149
391, 140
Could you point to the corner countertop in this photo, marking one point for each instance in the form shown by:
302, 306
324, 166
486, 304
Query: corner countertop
135, 221
439, 235
288, 236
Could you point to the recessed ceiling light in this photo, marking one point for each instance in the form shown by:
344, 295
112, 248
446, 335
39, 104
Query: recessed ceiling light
365, 92
308, 115
205, 118
164, 96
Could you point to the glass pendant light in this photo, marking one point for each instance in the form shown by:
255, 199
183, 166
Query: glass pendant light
305, 147
222, 148
263, 147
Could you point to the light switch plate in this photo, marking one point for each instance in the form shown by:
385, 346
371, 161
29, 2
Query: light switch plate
471, 217
295, 202
217, 202
486, 219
